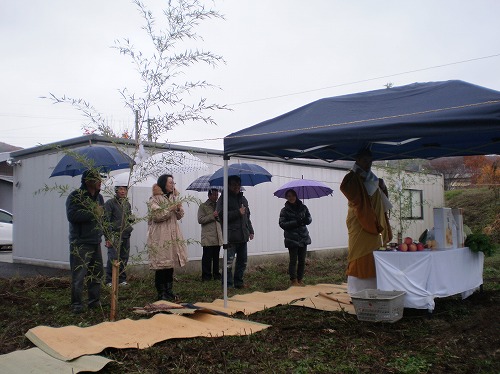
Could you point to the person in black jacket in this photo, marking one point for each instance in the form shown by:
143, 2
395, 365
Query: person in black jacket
119, 218
293, 220
84, 210
240, 230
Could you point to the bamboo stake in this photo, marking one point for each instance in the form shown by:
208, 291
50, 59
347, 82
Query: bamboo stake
114, 290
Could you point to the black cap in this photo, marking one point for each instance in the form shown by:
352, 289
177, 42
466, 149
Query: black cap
90, 174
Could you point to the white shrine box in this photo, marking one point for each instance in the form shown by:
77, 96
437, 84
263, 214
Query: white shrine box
459, 222
443, 228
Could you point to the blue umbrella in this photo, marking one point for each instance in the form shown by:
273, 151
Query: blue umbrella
305, 189
250, 174
102, 158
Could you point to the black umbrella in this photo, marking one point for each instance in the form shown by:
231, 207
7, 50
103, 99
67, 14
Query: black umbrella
202, 184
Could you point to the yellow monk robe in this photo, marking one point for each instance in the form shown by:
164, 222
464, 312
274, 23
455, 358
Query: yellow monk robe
365, 221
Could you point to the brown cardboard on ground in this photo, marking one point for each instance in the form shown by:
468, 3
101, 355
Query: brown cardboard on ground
257, 301
34, 360
67, 343
333, 302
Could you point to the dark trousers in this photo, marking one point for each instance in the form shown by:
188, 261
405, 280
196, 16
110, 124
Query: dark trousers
86, 267
162, 278
123, 257
297, 262
238, 250
210, 263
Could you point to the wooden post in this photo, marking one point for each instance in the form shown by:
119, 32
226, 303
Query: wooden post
114, 290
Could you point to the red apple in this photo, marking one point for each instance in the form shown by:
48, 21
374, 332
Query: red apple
420, 246
403, 247
412, 247
408, 240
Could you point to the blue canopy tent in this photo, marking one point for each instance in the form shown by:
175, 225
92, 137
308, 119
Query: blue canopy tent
420, 120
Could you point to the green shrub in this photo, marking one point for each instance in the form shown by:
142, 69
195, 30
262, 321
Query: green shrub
480, 242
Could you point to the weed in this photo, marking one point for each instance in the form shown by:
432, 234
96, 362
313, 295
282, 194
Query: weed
410, 364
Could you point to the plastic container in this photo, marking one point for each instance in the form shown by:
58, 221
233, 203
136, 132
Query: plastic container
379, 306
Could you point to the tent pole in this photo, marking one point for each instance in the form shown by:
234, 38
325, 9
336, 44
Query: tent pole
224, 226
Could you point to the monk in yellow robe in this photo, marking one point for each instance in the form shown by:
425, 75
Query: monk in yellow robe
367, 221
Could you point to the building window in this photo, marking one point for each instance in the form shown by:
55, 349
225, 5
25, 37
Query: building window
412, 204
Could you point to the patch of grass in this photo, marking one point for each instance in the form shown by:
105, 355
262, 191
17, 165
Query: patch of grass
453, 194
410, 364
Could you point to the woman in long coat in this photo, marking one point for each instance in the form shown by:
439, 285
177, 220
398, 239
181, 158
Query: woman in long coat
294, 218
166, 245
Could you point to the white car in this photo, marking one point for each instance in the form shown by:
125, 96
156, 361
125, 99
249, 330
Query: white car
5, 229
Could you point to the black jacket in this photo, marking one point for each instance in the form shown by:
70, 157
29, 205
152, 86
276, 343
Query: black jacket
81, 208
293, 220
117, 210
239, 227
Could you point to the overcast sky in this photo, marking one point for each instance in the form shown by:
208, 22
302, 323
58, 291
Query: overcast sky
280, 54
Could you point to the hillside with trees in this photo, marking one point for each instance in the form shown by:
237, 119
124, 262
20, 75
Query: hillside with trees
481, 207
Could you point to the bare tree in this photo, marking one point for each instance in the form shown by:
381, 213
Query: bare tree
161, 67
455, 173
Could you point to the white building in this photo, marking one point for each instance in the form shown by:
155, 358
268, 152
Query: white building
41, 227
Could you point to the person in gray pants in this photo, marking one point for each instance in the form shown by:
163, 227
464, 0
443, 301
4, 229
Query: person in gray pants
119, 228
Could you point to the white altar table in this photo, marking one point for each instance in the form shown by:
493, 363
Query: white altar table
425, 275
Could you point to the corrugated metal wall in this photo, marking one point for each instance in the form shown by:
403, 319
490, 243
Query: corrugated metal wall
41, 227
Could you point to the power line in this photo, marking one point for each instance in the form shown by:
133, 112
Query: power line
366, 80
15, 115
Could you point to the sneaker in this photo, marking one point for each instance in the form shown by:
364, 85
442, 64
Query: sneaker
78, 309
294, 283
240, 286
124, 284
301, 283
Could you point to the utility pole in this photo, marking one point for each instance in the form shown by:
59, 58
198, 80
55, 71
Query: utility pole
149, 121
150, 138
137, 127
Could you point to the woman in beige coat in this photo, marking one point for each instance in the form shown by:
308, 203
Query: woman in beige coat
166, 245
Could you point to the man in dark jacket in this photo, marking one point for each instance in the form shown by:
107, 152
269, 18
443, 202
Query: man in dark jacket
239, 228
119, 219
84, 210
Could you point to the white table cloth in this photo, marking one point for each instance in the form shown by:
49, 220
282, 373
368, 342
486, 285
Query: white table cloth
425, 275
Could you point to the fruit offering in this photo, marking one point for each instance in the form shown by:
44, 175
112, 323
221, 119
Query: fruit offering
408, 245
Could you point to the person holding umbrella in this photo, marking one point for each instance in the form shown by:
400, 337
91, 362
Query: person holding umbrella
84, 210
294, 217
211, 236
165, 243
240, 230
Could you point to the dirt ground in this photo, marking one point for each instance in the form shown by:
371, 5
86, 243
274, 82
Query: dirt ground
461, 336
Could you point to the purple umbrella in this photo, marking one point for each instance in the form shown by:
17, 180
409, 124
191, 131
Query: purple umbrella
305, 189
